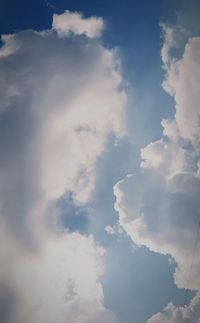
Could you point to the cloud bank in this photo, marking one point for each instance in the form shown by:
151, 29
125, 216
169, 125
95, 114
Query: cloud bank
159, 206
61, 98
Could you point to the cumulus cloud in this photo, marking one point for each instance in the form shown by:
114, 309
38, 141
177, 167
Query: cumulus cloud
74, 22
60, 100
164, 156
163, 215
159, 205
182, 83
59, 284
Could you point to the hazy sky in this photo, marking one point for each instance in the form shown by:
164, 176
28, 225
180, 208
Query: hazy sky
100, 161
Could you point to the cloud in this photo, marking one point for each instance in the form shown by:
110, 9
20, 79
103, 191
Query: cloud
173, 36
61, 98
171, 314
74, 22
60, 283
169, 43
164, 156
112, 230
163, 215
182, 83
158, 206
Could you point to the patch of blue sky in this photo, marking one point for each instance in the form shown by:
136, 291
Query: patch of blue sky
72, 217
138, 283
92, 218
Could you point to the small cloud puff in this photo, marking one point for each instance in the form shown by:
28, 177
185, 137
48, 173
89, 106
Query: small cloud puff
113, 230
74, 22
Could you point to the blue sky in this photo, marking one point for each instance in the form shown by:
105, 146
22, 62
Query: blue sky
100, 161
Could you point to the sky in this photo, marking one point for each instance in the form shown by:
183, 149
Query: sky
99, 161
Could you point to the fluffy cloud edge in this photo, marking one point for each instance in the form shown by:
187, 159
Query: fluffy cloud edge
158, 206
76, 23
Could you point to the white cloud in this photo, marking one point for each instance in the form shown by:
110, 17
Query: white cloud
163, 215
60, 283
60, 101
173, 36
169, 43
112, 230
168, 157
159, 206
74, 22
181, 82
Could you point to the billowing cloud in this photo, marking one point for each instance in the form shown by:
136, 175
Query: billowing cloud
182, 83
159, 205
74, 22
163, 215
60, 100
59, 284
